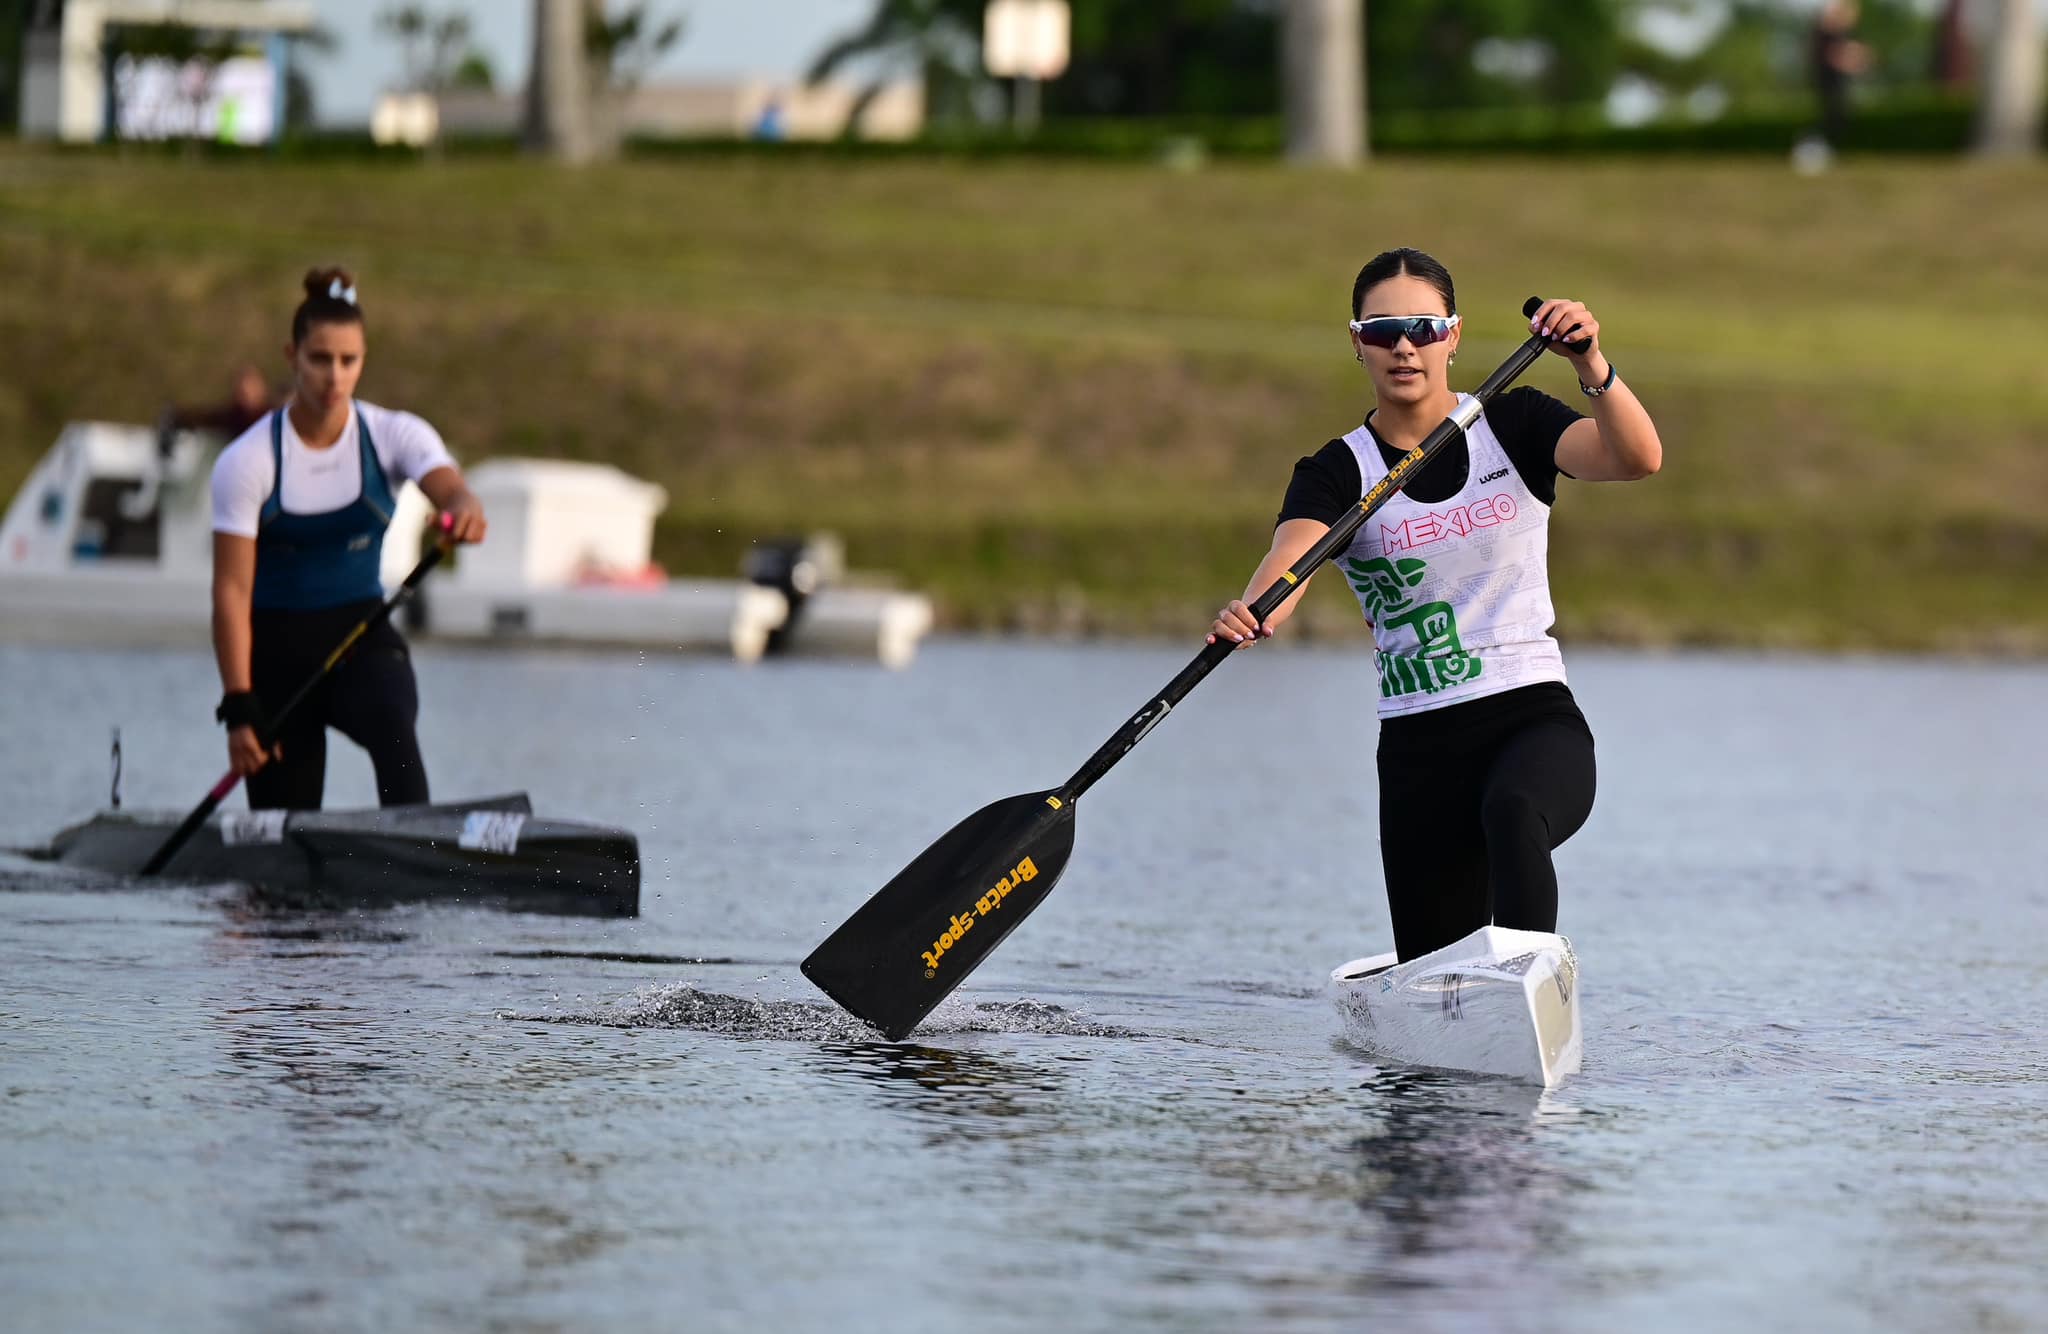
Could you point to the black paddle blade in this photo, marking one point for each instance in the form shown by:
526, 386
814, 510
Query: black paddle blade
906, 948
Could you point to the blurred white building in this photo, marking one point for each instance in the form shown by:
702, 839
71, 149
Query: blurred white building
733, 108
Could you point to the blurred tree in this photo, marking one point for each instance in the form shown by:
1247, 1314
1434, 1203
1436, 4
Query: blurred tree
1475, 53
475, 73
584, 60
407, 23
301, 103
621, 50
300, 108
1222, 57
1322, 78
435, 48
1903, 39
938, 39
1759, 52
1196, 58
1953, 64
617, 53
1128, 58
1191, 58
2009, 121
557, 103
13, 31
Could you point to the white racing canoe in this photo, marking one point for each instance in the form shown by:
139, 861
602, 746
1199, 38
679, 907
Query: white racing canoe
1498, 1002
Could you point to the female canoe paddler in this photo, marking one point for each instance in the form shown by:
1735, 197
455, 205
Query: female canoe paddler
1485, 762
300, 504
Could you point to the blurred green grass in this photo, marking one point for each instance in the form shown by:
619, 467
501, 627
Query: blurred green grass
1061, 395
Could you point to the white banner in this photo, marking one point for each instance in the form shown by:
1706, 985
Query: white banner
1025, 39
158, 98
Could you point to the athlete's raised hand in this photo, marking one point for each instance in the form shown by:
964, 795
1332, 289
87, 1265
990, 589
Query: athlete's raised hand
1563, 322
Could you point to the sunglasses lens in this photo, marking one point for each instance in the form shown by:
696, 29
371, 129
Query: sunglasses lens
1421, 330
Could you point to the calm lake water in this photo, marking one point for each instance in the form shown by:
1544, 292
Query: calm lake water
1809, 909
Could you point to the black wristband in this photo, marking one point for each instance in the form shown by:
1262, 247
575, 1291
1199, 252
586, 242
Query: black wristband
240, 708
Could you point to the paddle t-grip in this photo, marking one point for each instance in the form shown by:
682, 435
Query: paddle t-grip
1534, 304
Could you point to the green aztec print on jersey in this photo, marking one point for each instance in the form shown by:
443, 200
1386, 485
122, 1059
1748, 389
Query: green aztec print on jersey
1440, 660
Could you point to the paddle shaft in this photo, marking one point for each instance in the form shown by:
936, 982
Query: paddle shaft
266, 735
1337, 539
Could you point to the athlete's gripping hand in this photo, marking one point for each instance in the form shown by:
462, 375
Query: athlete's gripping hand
245, 752
1563, 322
1236, 624
463, 520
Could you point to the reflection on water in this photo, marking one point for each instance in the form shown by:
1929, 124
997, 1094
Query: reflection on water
1454, 1164
968, 1093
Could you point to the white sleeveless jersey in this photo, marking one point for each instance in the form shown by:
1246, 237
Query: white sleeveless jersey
317, 481
1457, 593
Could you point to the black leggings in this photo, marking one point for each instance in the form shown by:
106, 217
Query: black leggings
371, 698
1473, 798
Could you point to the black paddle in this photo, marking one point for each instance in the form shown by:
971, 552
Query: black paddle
267, 734
905, 949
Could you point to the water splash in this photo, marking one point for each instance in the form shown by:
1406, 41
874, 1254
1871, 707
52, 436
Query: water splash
681, 1005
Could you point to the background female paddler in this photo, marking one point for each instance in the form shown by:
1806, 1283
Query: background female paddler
300, 504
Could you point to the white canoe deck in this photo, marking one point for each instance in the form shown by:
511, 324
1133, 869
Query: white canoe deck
1498, 1002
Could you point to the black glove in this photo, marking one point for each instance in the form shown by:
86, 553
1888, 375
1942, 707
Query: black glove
240, 708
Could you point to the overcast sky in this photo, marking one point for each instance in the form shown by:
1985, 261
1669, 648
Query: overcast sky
723, 38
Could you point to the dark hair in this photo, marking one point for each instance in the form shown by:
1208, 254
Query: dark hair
330, 299
1394, 264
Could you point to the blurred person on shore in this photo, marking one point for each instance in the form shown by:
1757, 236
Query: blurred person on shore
248, 399
1485, 761
1834, 57
301, 500
1954, 66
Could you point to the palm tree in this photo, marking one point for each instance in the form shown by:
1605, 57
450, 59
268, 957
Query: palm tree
584, 60
408, 24
558, 120
432, 46
940, 38
2009, 117
1322, 80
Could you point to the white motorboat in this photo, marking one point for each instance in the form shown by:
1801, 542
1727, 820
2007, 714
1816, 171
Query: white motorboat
1498, 1002
110, 542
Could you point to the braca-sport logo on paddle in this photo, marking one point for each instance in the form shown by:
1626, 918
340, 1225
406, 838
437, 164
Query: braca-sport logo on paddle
1022, 873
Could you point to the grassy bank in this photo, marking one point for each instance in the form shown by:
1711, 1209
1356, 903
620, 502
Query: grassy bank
1069, 395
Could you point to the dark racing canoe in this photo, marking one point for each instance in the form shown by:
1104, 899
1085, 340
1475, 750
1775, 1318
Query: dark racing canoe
490, 853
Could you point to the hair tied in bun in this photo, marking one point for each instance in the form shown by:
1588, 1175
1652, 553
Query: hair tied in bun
330, 299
